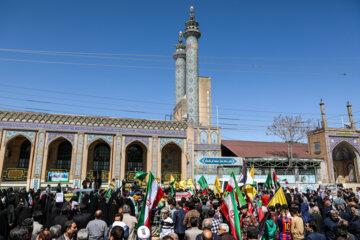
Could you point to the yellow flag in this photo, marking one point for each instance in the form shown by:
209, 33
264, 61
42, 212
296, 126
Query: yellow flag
217, 188
252, 172
250, 191
172, 180
188, 183
279, 197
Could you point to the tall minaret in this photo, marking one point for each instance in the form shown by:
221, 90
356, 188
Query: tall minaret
179, 57
191, 35
323, 118
350, 116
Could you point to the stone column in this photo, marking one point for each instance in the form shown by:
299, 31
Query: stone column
192, 34
38, 159
83, 156
2, 151
123, 159
179, 57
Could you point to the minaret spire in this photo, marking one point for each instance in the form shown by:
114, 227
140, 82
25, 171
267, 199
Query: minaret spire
323, 118
180, 69
350, 115
192, 34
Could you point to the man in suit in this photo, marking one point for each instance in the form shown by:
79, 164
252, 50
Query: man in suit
194, 230
70, 230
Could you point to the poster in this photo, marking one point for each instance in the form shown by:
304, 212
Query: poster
58, 176
59, 197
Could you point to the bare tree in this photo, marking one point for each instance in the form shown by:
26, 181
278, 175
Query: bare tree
291, 129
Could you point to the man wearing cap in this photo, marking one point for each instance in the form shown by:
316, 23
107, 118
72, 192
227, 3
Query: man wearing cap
354, 226
246, 220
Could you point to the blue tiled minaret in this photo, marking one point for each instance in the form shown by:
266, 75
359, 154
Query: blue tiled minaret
192, 34
179, 57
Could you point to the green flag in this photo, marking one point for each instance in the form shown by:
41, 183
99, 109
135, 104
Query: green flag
140, 175
239, 195
269, 182
108, 193
203, 183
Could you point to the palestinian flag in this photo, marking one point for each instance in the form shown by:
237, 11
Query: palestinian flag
230, 211
276, 180
154, 193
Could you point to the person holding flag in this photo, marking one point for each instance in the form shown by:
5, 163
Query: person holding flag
154, 193
203, 184
230, 210
217, 186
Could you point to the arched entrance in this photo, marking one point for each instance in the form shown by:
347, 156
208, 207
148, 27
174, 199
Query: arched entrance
58, 160
171, 162
344, 159
135, 158
98, 164
17, 159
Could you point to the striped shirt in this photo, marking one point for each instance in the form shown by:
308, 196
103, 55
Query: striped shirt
284, 225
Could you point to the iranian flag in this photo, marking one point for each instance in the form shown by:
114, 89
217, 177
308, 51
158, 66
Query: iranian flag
154, 193
230, 211
233, 185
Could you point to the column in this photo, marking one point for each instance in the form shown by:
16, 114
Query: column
123, 159
191, 35
117, 156
179, 57
154, 164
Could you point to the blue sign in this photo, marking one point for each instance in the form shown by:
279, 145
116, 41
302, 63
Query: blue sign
234, 161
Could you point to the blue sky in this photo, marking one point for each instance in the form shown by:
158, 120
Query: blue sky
264, 58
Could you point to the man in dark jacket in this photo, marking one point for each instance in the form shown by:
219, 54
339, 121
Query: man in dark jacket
354, 226
83, 218
179, 216
312, 232
330, 223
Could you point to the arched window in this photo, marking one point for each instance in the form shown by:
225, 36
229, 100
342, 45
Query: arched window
64, 156
135, 158
24, 154
101, 157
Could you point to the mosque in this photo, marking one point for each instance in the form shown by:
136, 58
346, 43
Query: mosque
37, 149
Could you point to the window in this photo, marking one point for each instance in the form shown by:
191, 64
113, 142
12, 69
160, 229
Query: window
317, 148
214, 138
203, 137
24, 154
64, 156
135, 158
101, 157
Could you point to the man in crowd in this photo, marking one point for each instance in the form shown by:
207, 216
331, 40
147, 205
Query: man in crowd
97, 228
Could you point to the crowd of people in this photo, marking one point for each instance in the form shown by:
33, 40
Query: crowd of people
310, 215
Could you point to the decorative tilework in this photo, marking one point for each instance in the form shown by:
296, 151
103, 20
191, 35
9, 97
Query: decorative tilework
111, 130
39, 154
93, 137
214, 153
178, 141
1, 132
54, 135
204, 153
154, 156
117, 156
214, 137
192, 86
189, 159
207, 147
203, 137
79, 154
130, 139
29, 134
353, 141
179, 79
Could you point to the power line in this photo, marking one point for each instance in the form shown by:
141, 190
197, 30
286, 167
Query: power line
168, 68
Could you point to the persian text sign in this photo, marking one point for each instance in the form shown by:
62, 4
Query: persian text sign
233, 161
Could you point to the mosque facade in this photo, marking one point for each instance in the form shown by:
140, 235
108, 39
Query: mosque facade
37, 149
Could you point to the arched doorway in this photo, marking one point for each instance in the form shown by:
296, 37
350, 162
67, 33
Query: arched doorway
344, 159
171, 162
58, 160
17, 159
98, 164
135, 158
